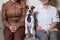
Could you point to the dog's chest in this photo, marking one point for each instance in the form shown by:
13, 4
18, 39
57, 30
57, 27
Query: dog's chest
29, 24
29, 19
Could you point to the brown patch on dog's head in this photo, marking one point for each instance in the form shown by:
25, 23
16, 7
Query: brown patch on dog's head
32, 7
27, 7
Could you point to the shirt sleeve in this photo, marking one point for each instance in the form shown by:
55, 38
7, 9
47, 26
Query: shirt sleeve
4, 18
56, 16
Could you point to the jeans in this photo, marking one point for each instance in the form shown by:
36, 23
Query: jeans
41, 35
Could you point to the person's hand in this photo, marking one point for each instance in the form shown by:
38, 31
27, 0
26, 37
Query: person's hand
38, 28
47, 32
13, 28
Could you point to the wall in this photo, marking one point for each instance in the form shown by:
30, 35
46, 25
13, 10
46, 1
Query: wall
36, 2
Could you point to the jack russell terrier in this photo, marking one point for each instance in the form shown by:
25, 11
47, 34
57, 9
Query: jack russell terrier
29, 22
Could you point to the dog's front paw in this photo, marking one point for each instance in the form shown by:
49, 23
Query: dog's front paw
31, 32
28, 35
26, 32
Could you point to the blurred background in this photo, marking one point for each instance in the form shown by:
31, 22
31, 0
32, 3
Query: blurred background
55, 3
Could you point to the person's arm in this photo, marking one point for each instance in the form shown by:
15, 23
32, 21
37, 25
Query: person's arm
54, 20
22, 20
4, 19
53, 25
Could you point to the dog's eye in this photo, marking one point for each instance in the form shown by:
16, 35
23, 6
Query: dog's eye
28, 8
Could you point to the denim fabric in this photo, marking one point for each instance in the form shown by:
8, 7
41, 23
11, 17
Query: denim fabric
41, 35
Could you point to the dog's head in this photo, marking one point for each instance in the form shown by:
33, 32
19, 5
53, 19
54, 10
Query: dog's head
30, 9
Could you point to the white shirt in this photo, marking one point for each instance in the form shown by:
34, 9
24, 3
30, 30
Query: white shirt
45, 17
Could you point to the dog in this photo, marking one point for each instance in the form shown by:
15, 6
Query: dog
29, 22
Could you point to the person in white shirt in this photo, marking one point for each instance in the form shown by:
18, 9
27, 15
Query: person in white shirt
47, 18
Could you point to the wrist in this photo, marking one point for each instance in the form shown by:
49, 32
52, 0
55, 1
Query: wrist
49, 30
8, 27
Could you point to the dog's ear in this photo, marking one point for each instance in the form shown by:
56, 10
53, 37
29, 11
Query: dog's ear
32, 7
27, 7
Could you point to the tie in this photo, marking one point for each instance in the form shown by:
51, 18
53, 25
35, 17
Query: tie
29, 18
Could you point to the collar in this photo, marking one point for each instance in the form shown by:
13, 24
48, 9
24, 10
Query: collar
49, 6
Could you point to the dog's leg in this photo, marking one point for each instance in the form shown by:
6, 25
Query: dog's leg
32, 27
34, 33
26, 29
32, 24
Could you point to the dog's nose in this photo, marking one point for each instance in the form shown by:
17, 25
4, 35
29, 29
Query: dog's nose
29, 11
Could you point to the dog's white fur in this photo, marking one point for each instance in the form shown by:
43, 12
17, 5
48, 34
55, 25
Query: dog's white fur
29, 25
